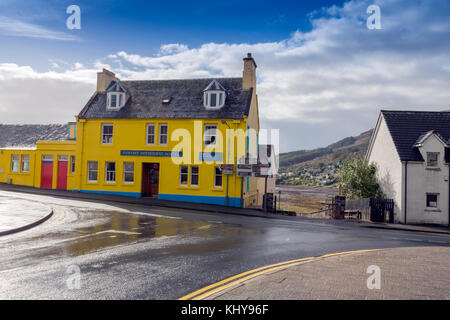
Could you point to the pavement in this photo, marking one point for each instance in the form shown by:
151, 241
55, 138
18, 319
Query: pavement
154, 202
414, 273
18, 215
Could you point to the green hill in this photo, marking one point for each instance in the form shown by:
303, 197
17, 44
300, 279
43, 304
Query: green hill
318, 166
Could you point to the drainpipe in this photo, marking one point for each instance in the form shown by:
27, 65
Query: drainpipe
449, 195
406, 186
228, 160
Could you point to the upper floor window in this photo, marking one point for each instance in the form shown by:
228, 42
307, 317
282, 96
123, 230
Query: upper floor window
151, 134
115, 100
432, 159
163, 134
214, 95
210, 136
15, 160
107, 134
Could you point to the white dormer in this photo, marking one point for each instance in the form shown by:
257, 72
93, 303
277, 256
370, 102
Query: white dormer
431, 146
214, 96
116, 96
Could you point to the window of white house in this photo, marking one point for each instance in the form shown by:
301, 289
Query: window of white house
194, 176
210, 135
128, 172
110, 172
92, 171
15, 159
217, 177
116, 100
432, 200
107, 133
184, 175
432, 159
25, 163
151, 134
163, 134
72, 164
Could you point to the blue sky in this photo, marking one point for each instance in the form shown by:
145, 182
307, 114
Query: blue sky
322, 74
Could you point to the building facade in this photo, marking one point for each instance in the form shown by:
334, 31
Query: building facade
412, 153
160, 138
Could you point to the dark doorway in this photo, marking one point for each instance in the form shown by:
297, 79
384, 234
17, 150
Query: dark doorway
150, 179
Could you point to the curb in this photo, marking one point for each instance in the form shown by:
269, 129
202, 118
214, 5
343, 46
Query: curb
232, 281
401, 229
28, 226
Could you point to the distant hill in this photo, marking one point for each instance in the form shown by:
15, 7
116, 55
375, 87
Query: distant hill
318, 167
332, 153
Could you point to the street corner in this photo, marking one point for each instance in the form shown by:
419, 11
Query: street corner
18, 215
387, 274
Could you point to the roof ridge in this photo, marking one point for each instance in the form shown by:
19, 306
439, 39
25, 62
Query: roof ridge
188, 79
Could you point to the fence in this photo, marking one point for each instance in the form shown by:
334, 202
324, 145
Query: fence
370, 209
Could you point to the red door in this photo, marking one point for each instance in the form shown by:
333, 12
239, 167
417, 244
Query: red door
62, 175
47, 174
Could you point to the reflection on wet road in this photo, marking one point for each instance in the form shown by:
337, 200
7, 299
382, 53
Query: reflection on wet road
136, 252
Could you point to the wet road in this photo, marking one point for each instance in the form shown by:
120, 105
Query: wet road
136, 252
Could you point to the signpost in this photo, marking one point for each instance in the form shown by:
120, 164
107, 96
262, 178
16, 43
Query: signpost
227, 168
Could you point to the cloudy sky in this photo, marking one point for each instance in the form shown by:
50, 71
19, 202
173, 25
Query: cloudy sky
322, 74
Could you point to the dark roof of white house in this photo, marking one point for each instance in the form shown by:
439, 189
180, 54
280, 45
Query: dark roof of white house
186, 100
26, 135
408, 127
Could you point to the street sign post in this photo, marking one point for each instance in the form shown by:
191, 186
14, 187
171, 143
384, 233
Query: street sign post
227, 168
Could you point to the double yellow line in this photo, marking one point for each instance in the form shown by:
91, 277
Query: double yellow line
239, 278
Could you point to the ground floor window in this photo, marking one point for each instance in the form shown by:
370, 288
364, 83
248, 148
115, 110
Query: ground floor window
110, 174
184, 172
15, 159
128, 172
217, 177
72, 164
25, 163
194, 176
92, 171
432, 200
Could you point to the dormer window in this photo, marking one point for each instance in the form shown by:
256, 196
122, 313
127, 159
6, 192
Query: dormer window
116, 96
116, 100
214, 95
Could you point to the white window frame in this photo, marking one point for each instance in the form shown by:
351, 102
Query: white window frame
215, 178
15, 163
72, 164
194, 174
437, 159
128, 171
207, 134
103, 134
220, 99
120, 100
160, 135
184, 174
89, 170
109, 173
150, 125
22, 163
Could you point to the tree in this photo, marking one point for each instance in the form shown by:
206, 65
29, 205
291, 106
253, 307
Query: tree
357, 179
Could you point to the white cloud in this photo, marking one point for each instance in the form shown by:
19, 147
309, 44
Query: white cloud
17, 28
317, 86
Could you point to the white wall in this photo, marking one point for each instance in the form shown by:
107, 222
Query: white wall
384, 154
423, 180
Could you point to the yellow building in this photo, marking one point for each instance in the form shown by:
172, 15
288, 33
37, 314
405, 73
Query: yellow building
158, 138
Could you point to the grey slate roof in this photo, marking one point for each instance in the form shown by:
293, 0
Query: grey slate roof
28, 134
406, 127
186, 102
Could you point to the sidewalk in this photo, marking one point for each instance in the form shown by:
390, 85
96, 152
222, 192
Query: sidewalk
406, 273
19, 215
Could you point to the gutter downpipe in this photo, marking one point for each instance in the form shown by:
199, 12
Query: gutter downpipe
449, 195
406, 187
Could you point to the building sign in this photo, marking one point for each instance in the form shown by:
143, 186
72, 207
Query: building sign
227, 168
148, 153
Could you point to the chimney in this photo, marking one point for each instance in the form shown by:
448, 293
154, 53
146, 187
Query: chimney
104, 78
249, 74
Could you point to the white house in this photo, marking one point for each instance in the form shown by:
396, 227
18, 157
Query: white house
412, 152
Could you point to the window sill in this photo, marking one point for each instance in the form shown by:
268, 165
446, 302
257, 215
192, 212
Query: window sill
433, 210
433, 168
217, 189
